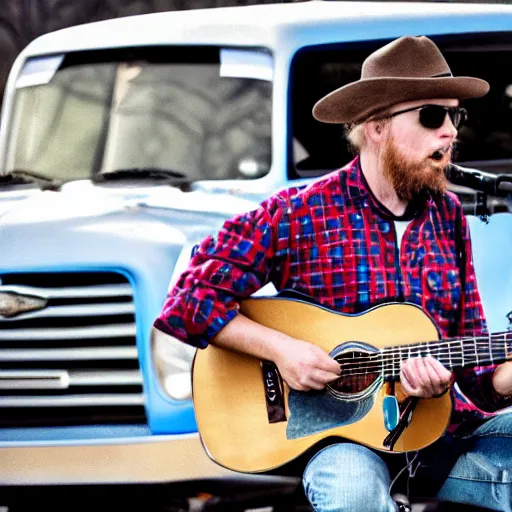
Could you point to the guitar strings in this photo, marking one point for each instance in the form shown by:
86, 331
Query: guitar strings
507, 335
419, 351
442, 345
445, 354
423, 352
382, 361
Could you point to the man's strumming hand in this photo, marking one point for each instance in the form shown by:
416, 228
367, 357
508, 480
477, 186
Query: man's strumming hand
305, 366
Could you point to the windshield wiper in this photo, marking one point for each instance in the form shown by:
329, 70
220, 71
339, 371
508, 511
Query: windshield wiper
145, 173
22, 176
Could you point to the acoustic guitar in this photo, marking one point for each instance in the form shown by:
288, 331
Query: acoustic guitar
250, 421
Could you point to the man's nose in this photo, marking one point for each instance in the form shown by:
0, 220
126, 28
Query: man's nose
448, 129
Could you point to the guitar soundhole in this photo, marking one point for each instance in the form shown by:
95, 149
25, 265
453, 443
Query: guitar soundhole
359, 370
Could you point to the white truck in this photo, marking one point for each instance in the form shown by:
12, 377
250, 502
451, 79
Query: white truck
125, 142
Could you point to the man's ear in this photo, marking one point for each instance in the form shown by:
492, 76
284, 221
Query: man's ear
374, 130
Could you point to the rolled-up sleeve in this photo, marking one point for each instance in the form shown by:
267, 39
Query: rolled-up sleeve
222, 271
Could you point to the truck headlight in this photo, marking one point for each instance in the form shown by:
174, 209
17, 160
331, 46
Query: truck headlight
173, 363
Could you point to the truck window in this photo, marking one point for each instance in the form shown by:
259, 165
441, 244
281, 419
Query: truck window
485, 140
159, 108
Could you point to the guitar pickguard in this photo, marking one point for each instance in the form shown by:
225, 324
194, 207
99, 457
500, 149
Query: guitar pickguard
314, 412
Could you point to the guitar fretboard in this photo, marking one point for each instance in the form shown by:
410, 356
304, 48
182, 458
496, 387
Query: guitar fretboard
452, 353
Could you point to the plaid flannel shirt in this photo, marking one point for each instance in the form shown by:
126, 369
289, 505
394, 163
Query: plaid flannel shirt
333, 241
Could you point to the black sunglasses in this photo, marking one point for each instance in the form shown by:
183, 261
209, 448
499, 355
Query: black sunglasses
433, 116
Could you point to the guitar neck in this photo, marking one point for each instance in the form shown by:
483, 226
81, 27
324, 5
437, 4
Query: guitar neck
452, 353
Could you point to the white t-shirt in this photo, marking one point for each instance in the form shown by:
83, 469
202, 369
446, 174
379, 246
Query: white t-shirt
400, 227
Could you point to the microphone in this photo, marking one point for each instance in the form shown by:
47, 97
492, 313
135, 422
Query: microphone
499, 185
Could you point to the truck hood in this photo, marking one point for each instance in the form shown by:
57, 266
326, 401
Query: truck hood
83, 199
86, 226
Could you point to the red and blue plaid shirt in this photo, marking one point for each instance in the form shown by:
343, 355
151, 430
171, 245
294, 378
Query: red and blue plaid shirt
333, 241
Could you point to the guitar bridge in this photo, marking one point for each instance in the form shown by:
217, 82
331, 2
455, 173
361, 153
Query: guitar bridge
274, 392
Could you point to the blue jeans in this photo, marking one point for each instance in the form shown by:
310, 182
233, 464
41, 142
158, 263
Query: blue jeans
475, 469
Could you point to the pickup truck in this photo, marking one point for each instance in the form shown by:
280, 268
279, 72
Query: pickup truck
125, 142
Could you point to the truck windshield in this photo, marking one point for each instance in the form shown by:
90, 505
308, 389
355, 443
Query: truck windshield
205, 113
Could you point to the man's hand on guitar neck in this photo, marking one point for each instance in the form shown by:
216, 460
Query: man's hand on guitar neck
424, 377
302, 365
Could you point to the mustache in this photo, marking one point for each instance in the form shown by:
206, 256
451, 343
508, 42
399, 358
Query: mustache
441, 158
455, 148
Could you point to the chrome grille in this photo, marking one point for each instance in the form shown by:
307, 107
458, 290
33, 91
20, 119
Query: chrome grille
74, 362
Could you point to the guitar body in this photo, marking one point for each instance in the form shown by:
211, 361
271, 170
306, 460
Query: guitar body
230, 395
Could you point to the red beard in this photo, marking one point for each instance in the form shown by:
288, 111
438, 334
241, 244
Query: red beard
410, 178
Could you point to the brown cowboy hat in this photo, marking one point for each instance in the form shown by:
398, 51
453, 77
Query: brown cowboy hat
407, 69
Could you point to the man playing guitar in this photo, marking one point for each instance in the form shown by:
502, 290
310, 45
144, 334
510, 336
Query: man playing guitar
383, 228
